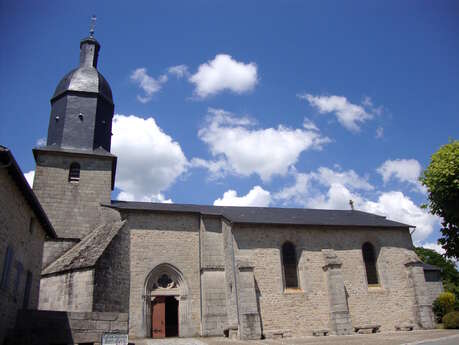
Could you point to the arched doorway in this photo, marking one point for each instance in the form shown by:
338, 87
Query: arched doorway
166, 309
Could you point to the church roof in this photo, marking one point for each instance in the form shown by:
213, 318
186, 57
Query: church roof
270, 215
7, 161
429, 267
86, 253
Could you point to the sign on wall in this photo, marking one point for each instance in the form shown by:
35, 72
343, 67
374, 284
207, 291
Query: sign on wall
114, 339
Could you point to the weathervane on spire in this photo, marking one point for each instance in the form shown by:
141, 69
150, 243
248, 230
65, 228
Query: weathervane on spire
92, 26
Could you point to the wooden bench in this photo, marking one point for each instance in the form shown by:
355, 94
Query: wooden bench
367, 329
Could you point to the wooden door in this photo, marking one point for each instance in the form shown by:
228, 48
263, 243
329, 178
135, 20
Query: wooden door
158, 317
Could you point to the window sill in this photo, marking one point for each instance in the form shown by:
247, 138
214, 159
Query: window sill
289, 291
375, 288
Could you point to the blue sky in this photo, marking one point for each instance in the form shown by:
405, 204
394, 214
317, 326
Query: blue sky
288, 103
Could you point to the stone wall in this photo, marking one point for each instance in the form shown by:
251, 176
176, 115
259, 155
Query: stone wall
67, 291
72, 207
27, 250
55, 248
434, 290
212, 255
164, 238
230, 277
213, 283
214, 318
248, 306
306, 309
54, 327
111, 277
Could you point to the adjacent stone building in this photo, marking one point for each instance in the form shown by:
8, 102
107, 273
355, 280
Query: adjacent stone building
23, 229
190, 270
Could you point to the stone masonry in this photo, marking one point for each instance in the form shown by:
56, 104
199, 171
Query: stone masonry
73, 207
391, 303
54, 327
26, 243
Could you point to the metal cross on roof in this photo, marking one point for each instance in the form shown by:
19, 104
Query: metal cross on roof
351, 202
92, 26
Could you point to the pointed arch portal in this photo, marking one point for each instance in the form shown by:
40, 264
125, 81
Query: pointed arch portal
166, 309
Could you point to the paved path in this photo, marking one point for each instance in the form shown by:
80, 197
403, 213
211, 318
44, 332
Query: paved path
431, 337
169, 341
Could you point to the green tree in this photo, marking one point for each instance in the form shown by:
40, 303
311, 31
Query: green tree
449, 273
442, 181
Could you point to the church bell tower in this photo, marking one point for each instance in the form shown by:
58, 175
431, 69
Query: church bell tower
75, 171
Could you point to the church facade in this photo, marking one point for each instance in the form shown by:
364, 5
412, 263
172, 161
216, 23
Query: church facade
191, 270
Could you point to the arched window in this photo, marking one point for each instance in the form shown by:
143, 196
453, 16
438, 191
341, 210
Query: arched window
369, 258
290, 265
74, 172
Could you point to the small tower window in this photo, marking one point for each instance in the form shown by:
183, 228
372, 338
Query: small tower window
290, 265
369, 258
74, 172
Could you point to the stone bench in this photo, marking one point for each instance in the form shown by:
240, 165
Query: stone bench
367, 329
277, 334
404, 327
320, 332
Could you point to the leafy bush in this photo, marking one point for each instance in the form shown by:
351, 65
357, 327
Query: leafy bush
451, 320
443, 305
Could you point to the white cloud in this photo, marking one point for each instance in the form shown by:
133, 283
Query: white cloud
394, 205
434, 246
256, 197
342, 186
308, 124
217, 169
149, 160
297, 192
224, 73
349, 115
244, 150
349, 178
404, 170
29, 176
126, 196
337, 197
305, 187
147, 83
399, 207
179, 71
41, 142
379, 132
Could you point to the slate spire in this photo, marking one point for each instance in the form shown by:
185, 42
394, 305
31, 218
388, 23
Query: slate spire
82, 105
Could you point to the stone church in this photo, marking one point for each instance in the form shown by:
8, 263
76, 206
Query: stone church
191, 270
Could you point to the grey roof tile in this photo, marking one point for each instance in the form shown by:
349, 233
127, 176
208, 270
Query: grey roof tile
86, 253
8, 161
429, 267
269, 215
